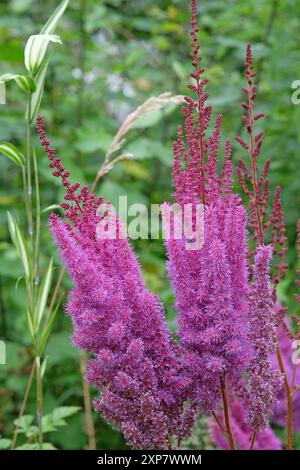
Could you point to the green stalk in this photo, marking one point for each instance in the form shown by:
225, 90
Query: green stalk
28, 170
36, 271
24, 178
27, 186
34, 234
39, 401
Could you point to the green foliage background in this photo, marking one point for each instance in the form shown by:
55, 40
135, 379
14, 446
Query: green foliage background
115, 55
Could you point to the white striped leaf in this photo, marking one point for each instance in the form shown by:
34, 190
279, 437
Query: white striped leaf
35, 50
52, 22
36, 97
11, 152
25, 82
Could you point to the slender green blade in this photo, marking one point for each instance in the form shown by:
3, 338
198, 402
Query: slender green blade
11, 152
30, 323
47, 330
20, 244
52, 22
43, 293
43, 366
11, 227
36, 98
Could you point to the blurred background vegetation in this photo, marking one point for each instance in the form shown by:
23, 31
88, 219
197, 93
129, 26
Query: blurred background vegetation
115, 55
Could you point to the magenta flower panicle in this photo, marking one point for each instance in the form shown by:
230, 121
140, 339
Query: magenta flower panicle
121, 323
264, 381
211, 284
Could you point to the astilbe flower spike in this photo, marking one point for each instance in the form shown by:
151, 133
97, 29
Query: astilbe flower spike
264, 380
121, 323
256, 186
211, 289
257, 189
210, 284
218, 305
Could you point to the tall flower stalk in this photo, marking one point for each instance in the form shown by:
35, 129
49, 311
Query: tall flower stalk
256, 187
211, 283
119, 322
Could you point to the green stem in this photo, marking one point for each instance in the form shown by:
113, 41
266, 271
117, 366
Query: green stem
25, 190
23, 406
39, 401
28, 171
36, 271
31, 172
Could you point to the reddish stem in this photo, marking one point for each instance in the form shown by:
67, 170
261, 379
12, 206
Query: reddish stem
229, 434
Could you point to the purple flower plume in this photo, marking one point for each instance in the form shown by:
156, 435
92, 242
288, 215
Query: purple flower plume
227, 325
211, 291
211, 284
264, 380
121, 323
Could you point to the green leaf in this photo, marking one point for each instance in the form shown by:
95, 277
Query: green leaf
150, 118
52, 207
62, 412
47, 330
43, 366
24, 82
43, 293
46, 446
36, 97
24, 423
20, 244
47, 30
146, 148
35, 50
28, 447
90, 139
23, 251
30, 323
51, 421
11, 226
52, 22
5, 443
11, 152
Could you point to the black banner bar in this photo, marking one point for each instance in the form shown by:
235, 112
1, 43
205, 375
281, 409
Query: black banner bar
132, 459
